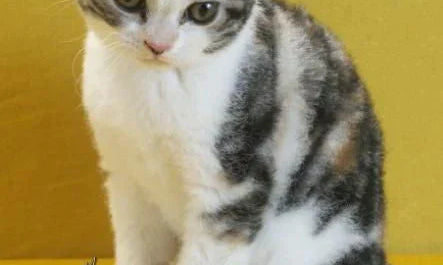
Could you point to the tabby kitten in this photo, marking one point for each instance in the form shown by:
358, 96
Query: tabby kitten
233, 132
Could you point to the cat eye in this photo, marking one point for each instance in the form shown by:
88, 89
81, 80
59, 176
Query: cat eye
202, 13
131, 5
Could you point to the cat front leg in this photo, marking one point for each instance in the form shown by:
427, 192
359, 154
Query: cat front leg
141, 235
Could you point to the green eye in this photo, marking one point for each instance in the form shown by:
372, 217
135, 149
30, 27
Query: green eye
202, 13
131, 5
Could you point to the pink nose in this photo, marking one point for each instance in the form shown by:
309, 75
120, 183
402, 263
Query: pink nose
157, 48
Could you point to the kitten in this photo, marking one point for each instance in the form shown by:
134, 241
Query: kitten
233, 132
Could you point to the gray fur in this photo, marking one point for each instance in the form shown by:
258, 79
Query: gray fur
335, 95
102, 9
238, 13
254, 111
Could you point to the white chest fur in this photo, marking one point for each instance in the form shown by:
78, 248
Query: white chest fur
156, 125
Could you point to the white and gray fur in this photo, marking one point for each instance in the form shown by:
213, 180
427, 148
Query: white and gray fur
252, 141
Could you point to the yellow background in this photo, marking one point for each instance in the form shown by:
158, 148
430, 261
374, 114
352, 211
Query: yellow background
51, 202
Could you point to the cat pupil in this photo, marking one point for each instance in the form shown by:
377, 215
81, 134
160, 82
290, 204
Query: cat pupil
204, 9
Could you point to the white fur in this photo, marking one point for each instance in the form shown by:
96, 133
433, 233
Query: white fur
291, 141
289, 239
155, 128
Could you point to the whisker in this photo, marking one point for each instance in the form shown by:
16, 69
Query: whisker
78, 38
57, 3
58, 7
75, 77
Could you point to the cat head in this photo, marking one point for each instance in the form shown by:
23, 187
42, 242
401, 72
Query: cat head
167, 31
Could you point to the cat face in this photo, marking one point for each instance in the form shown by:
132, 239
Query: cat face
177, 32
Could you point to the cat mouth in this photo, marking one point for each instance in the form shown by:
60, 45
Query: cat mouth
155, 60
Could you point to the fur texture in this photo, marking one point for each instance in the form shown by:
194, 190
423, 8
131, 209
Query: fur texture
251, 140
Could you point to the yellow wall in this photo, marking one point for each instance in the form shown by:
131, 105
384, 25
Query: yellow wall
51, 200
